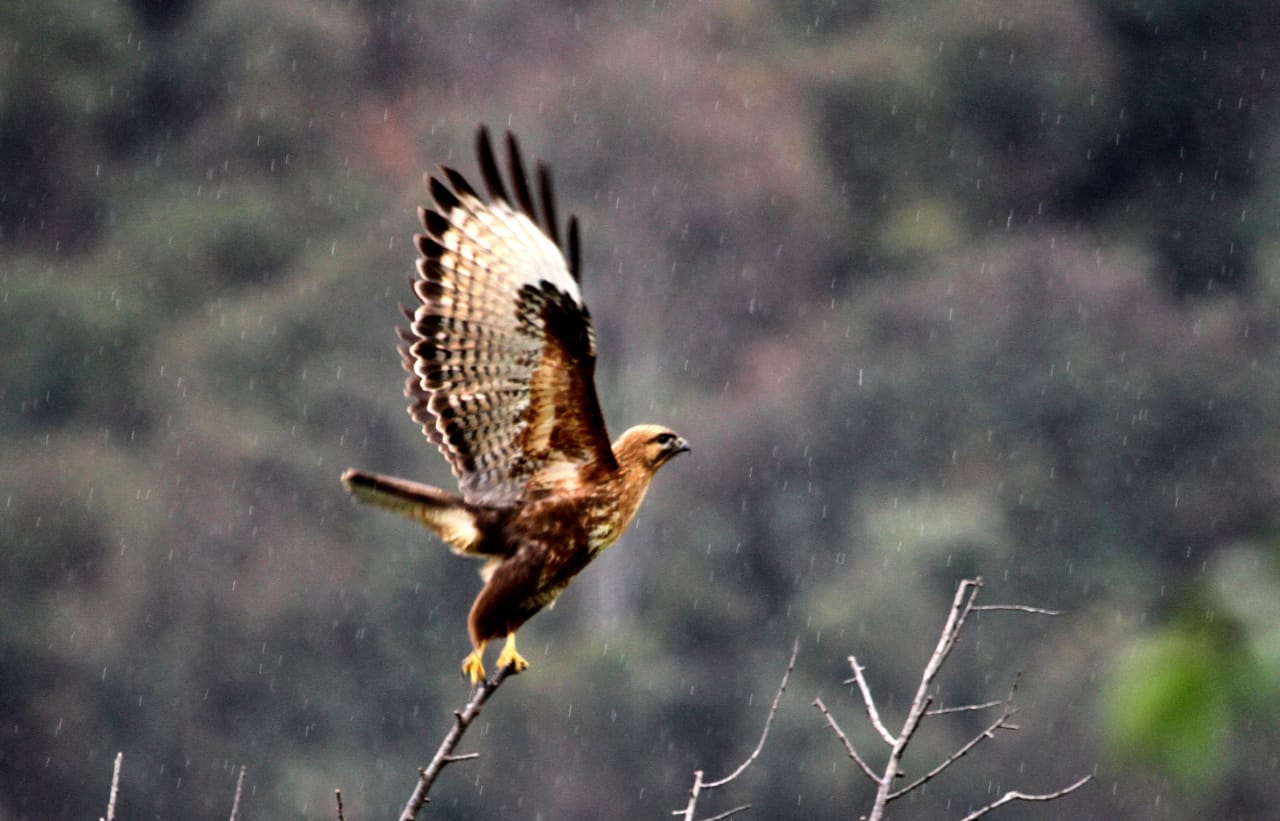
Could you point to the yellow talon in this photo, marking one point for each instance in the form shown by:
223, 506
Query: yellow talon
473, 665
510, 656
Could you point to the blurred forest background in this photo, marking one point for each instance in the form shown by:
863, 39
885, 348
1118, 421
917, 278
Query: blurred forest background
936, 289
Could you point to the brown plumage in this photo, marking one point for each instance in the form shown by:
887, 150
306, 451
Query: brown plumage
501, 357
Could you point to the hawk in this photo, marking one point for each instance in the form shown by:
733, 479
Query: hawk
501, 360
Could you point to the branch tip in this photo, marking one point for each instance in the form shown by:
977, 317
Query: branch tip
699, 784
444, 755
115, 789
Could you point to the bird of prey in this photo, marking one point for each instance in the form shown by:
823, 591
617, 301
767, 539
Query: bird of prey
501, 360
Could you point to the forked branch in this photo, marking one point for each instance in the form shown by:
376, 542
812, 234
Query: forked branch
961, 607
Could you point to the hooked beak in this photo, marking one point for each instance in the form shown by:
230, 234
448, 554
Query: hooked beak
680, 446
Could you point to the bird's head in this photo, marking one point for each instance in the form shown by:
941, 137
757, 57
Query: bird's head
648, 446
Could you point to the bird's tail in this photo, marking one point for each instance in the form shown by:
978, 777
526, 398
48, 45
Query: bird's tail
452, 519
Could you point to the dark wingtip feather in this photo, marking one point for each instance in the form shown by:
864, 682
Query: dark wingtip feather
427, 246
435, 224
442, 195
459, 182
518, 178
489, 167
575, 251
545, 193
428, 290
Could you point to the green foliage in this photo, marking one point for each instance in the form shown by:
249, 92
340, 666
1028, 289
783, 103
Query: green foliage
1170, 705
1185, 699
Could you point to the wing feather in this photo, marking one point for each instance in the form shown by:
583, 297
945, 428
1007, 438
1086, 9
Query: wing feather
547, 196
489, 167
521, 182
500, 350
458, 182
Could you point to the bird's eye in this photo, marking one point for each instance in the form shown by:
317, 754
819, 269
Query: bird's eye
664, 438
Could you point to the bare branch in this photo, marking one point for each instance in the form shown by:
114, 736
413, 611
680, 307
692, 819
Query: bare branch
960, 607
1014, 795
235, 805
699, 785
1001, 723
768, 722
967, 708
338, 795
868, 701
1020, 608
444, 756
921, 705
115, 789
733, 811
848, 746
694, 792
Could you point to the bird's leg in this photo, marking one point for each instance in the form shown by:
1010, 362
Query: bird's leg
473, 664
510, 656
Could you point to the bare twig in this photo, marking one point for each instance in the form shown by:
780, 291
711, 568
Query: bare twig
338, 795
444, 756
235, 805
868, 701
1014, 795
694, 792
115, 789
844, 739
728, 813
961, 606
1001, 723
768, 722
967, 708
1020, 608
699, 785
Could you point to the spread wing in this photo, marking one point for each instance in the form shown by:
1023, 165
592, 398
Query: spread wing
500, 351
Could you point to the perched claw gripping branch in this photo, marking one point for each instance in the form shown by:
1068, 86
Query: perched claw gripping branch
921, 704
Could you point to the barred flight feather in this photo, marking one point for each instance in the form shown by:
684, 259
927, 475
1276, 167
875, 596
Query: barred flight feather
500, 348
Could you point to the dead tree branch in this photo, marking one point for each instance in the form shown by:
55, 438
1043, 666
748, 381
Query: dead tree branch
868, 701
967, 708
844, 739
1001, 723
961, 607
1018, 608
235, 805
1014, 795
115, 789
444, 756
699, 785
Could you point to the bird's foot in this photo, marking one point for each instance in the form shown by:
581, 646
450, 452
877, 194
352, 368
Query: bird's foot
473, 666
510, 656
